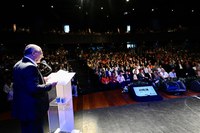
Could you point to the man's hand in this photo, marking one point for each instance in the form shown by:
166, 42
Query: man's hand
54, 84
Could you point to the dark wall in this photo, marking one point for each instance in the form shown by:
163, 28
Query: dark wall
25, 38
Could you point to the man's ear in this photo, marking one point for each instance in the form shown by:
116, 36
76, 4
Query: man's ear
33, 53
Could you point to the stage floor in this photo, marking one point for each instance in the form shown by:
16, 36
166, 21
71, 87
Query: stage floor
180, 115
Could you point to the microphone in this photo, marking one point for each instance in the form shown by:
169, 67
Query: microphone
46, 67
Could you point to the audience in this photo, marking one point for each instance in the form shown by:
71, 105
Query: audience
144, 63
117, 67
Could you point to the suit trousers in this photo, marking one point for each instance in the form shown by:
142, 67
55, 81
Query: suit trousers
32, 126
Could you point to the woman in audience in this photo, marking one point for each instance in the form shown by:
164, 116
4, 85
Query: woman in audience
113, 81
104, 80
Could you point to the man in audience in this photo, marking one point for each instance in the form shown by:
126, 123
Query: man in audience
172, 75
121, 79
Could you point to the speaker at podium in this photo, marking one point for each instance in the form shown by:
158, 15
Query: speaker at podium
141, 93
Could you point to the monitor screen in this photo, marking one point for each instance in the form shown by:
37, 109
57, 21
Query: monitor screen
145, 91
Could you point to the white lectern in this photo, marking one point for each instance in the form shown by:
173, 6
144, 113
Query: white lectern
61, 113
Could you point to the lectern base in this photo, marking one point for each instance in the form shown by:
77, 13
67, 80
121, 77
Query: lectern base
73, 131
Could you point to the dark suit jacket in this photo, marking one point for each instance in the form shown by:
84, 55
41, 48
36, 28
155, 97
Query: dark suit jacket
30, 100
141, 77
128, 78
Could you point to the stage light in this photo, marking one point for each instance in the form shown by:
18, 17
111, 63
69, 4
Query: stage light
128, 28
66, 28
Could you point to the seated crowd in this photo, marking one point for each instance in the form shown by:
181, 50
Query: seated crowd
119, 68
116, 67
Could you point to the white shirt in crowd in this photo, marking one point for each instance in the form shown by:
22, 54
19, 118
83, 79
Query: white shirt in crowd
120, 78
8, 89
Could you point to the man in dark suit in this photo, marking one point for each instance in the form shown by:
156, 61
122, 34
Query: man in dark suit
128, 77
30, 99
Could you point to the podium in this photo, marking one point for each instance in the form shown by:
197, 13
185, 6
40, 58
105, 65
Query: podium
61, 113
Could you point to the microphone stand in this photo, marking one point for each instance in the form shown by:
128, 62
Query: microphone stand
45, 69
